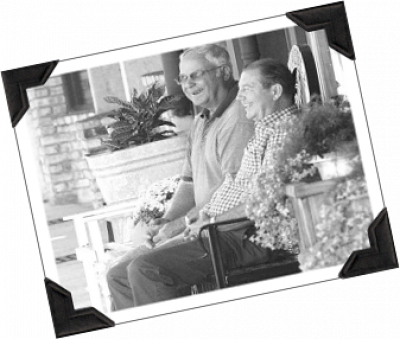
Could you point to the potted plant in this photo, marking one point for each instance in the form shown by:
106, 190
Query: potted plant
142, 147
129, 229
330, 136
154, 201
139, 121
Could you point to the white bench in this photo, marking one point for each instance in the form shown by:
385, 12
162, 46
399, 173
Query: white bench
91, 249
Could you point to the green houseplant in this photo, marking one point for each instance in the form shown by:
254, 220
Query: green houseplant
326, 132
327, 126
331, 137
139, 121
143, 148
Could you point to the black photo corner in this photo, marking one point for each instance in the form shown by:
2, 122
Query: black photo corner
67, 320
380, 256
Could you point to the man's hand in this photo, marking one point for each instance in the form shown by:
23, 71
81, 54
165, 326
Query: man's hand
192, 229
192, 216
162, 236
191, 232
168, 230
153, 229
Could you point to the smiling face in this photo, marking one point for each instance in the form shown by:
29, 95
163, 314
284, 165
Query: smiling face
257, 100
208, 90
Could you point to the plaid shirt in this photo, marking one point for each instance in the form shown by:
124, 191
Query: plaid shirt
269, 134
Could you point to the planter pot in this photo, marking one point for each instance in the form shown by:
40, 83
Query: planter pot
332, 166
122, 175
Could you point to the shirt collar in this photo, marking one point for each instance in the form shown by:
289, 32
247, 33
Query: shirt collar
231, 96
277, 115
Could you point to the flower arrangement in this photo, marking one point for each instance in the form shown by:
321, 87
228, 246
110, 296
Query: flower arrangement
346, 216
319, 128
325, 127
268, 205
152, 204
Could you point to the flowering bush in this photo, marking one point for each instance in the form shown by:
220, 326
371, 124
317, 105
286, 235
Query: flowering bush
346, 217
268, 205
326, 126
153, 202
317, 129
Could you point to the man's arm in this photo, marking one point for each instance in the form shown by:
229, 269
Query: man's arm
238, 212
182, 201
172, 223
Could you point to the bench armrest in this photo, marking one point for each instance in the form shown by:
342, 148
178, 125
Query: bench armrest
228, 225
213, 241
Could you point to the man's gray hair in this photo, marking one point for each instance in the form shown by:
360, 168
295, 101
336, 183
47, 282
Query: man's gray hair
215, 54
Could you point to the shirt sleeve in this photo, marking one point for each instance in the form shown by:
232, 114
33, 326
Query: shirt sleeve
233, 139
226, 197
275, 140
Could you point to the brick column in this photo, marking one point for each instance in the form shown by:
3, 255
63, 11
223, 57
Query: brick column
64, 173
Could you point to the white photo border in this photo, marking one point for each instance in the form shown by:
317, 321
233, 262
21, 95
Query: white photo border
172, 44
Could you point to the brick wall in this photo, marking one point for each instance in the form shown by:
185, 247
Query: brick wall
61, 136
57, 137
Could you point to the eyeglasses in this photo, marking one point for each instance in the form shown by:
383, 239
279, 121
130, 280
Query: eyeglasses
195, 76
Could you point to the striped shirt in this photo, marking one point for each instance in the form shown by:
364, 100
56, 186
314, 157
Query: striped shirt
269, 134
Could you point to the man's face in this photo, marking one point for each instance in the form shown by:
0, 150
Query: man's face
204, 90
257, 101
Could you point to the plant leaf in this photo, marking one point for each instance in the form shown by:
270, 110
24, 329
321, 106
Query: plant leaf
111, 144
136, 104
115, 100
178, 101
163, 135
120, 135
120, 124
160, 122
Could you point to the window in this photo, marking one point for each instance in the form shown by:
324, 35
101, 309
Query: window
77, 91
150, 78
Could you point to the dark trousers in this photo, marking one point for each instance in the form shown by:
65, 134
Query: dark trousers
145, 276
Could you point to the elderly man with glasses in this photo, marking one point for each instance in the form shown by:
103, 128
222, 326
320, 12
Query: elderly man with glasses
217, 140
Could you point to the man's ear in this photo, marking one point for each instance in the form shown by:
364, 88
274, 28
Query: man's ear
226, 72
277, 91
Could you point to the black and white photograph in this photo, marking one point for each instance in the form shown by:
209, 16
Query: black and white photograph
199, 169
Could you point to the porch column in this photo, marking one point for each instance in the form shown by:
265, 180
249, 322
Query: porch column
170, 62
249, 49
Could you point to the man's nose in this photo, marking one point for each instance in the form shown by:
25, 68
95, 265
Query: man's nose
189, 83
239, 96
